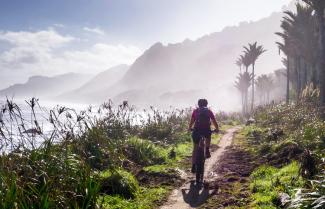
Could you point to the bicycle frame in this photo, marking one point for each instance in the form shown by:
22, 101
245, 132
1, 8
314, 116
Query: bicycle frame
200, 159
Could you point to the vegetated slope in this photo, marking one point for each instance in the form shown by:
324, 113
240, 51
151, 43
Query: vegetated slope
101, 81
290, 140
206, 63
45, 87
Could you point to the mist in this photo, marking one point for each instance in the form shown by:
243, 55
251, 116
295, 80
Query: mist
86, 65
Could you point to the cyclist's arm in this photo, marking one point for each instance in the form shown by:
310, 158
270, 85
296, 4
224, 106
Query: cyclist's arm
215, 124
214, 121
191, 123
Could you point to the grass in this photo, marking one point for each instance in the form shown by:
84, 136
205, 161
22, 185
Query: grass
267, 182
145, 152
183, 151
93, 156
146, 198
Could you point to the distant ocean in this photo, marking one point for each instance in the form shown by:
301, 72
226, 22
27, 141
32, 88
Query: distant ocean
42, 112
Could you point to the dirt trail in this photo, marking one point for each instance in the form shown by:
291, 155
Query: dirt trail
191, 196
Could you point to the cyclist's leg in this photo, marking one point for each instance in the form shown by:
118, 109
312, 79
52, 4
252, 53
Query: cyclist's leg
208, 141
196, 139
195, 147
207, 145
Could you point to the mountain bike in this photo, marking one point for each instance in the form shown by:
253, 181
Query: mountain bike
200, 157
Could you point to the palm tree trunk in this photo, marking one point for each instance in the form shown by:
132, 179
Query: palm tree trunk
314, 76
320, 15
243, 102
298, 78
288, 81
253, 87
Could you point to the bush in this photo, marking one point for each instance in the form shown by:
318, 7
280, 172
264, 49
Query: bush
165, 127
144, 152
119, 182
288, 149
46, 178
265, 149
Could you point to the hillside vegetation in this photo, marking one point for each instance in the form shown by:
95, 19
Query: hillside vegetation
110, 157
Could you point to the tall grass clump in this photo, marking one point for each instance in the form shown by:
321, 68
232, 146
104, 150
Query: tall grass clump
145, 152
62, 158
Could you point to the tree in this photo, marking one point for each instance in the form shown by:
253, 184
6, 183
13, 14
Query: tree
254, 52
242, 84
319, 7
299, 44
239, 63
264, 86
246, 60
288, 48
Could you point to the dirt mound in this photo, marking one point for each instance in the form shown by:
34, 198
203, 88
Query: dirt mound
173, 177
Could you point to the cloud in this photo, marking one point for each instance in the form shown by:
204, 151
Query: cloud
96, 30
30, 47
42, 39
48, 52
58, 25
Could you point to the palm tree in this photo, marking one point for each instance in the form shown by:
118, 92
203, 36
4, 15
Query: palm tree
319, 7
246, 60
254, 52
239, 63
287, 49
242, 84
299, 43
264, 86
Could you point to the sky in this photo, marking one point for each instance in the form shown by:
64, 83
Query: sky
50, 37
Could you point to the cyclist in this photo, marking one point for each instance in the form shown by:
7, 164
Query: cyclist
201, 119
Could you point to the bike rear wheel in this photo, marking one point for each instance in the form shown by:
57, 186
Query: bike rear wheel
199, 172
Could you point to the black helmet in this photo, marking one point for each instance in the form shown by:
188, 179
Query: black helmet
202, 103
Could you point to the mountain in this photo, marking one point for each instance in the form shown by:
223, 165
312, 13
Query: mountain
101, 81
204, 66
45, 87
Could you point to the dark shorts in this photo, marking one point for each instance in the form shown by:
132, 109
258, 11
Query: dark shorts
197, 134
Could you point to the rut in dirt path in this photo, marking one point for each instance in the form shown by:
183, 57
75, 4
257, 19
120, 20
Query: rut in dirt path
191, 196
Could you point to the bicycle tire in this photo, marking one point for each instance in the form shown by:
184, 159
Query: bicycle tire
199, 172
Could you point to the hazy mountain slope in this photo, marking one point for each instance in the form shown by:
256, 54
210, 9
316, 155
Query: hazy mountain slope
182, 72
206, 63
45, 87
101, 81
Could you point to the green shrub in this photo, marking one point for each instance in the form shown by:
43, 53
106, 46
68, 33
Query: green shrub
144, 152
288, 149
46, 178
313, 135
119, 182
265, 148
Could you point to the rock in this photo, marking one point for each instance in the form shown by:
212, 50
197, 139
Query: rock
250, 121
283, 200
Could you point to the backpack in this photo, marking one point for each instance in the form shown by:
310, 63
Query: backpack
203, 118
